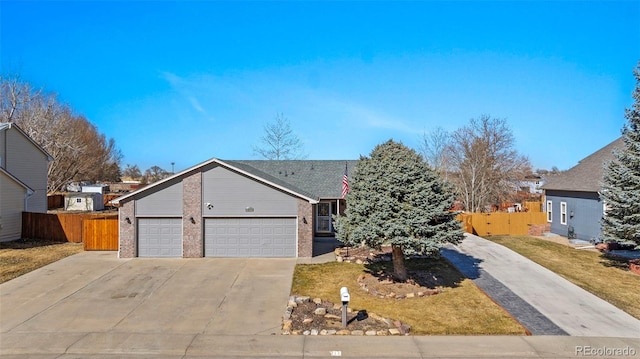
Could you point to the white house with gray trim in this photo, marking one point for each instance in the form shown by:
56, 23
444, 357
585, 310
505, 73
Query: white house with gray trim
23, 179
572, 201
233, 209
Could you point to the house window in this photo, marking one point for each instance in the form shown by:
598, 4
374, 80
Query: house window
549, 211
563, 212
78, 200
323, 217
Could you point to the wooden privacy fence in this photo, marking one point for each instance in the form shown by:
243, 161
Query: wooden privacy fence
62, 227
100, 234
55, 201
501, 223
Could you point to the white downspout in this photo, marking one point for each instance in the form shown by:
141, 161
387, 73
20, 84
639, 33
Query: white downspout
26, 199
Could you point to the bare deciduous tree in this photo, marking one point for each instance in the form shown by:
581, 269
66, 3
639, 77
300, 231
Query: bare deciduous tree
433, 148
154, 174
279, 141
487, 168
80, 152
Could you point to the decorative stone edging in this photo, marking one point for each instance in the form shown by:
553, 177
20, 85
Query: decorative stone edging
395, 327
393, 295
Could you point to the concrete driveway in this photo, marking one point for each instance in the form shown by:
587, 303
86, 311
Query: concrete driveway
95, 292
93, 305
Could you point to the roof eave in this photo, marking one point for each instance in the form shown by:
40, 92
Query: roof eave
221, 163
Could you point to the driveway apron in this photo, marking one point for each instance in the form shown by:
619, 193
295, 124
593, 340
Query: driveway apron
560, 303
94, 292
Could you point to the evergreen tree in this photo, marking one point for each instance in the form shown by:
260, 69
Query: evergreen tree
621, 181
396, 198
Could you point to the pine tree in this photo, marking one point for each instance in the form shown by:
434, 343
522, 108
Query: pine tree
621, 181
396, 198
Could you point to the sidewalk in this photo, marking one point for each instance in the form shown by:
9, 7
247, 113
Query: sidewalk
173, 345
541, 300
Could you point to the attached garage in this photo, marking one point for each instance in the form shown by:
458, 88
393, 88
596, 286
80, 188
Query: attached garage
160, 237
218, 209
250, 237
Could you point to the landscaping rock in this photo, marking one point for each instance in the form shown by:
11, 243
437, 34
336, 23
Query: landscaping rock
286, 325
331, 332
332, 316
357, 332
324, 332
314, 331
307, 321
634, 266
306, 332
301, 300
370, 332
320, 311
343, 332
382, 332
317, 300
405, 329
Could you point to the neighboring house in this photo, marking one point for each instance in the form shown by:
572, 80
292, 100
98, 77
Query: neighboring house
83, 201
532, 184
101, 188
23, 179
233, 209
573, 205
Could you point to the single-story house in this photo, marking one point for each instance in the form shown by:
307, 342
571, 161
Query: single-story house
572, 200
225, 208
23, 179
83, 201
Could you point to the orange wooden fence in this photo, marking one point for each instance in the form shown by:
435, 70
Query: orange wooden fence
100, 234
501, 223
61, 227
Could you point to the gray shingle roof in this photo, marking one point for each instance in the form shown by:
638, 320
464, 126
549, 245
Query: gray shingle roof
313, 178
586, 176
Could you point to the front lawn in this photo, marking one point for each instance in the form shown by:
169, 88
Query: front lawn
589, 270
23, 256
461, 308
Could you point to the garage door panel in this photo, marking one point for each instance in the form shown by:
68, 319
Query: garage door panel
160, 237
250, 237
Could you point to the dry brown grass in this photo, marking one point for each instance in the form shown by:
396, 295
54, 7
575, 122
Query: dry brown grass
23, 256
604, 277
460, 309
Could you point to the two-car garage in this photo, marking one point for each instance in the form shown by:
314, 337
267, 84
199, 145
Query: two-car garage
215, 210
223, 237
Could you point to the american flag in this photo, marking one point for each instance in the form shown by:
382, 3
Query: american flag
345, 182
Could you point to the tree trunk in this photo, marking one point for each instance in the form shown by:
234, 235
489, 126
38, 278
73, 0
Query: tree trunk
399, 269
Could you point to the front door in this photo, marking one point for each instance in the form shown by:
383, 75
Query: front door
323, 217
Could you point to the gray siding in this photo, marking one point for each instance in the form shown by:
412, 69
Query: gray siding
162, 200
26, 162
232, 193
11, 207
587, 211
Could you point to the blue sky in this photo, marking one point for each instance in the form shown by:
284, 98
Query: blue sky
186, 81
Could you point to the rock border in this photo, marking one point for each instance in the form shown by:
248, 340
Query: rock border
395, 326
419, 294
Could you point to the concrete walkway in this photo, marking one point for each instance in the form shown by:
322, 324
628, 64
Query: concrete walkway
541, 300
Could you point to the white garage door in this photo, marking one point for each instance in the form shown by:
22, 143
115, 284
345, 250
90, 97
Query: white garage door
250, 237
160, 237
